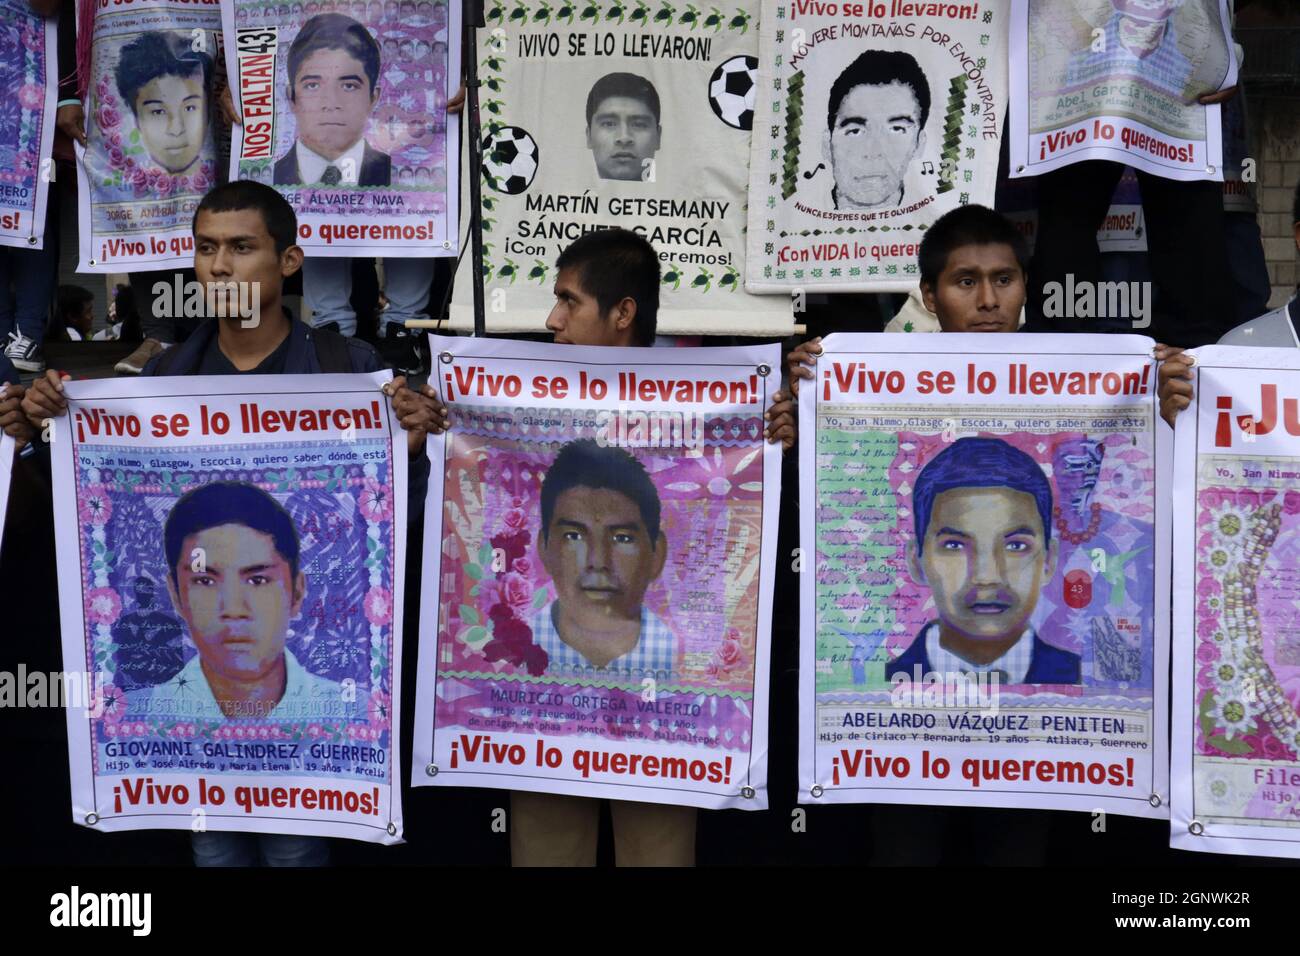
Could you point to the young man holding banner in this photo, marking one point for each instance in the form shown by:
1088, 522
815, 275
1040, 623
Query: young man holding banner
244, 238
973, 263
607, 294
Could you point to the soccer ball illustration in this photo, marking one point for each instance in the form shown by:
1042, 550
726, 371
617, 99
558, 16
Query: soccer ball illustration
510, 159
731, 91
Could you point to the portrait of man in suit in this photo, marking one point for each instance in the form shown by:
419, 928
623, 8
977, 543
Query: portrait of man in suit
983, 546
333, 87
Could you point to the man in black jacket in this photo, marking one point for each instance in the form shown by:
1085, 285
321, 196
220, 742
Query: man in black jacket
244, 236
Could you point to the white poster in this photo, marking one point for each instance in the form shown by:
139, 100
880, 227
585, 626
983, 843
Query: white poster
344, 111
6, 468
600, 542
1236, 741
150, 152
231, 555
1118, 80
875, 119
611, 114
983, 603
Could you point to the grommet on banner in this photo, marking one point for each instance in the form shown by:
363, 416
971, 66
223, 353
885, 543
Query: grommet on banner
1155, 800
392, 829
31, 240
91, 262
764, 370
747, 793
432, 770
1196, 828
1210, 170
444, 358
446, 243
92, 819
1020, 169
816, 791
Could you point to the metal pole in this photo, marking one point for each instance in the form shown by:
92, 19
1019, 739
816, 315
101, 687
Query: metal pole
473, 20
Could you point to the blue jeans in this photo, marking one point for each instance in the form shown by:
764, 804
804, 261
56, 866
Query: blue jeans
250, 849
28, 278
327, 287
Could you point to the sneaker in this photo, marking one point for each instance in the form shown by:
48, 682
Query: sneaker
134, 363
25, 353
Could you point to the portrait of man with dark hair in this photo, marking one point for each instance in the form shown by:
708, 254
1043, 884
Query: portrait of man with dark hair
623, 130
165, 84
875, 128
983, 546
602, 544
234, 578
333, 87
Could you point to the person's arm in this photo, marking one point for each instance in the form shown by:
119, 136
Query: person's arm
800, 362
44, 399
781, 422
12, 420
420, 414
1174, 381
69, 117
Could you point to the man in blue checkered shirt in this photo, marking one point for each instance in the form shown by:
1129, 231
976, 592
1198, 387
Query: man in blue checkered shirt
602, 545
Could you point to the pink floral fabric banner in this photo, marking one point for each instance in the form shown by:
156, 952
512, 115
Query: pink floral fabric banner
597, 573
230, 569
151, 113
29, 78
1236, 743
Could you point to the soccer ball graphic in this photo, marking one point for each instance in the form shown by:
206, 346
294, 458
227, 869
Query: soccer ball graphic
509, 160
731, 91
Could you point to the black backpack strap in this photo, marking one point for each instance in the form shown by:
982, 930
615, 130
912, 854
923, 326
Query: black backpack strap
332, 351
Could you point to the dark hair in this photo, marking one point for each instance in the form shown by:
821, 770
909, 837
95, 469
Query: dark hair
880, 68
241, 194
586, 464
127, 314
613, 264
623, 84
334, 31
967, 226
161, 53
72, 300
229, 502
980, 463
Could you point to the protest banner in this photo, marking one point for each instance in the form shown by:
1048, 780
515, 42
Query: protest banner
29, 79
150, 152
654, 137
985, 574
6, 467
599, 547
1119, 80
877, 118
344, 111
1235, 770
1123, 229
231, 559
1239, 173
